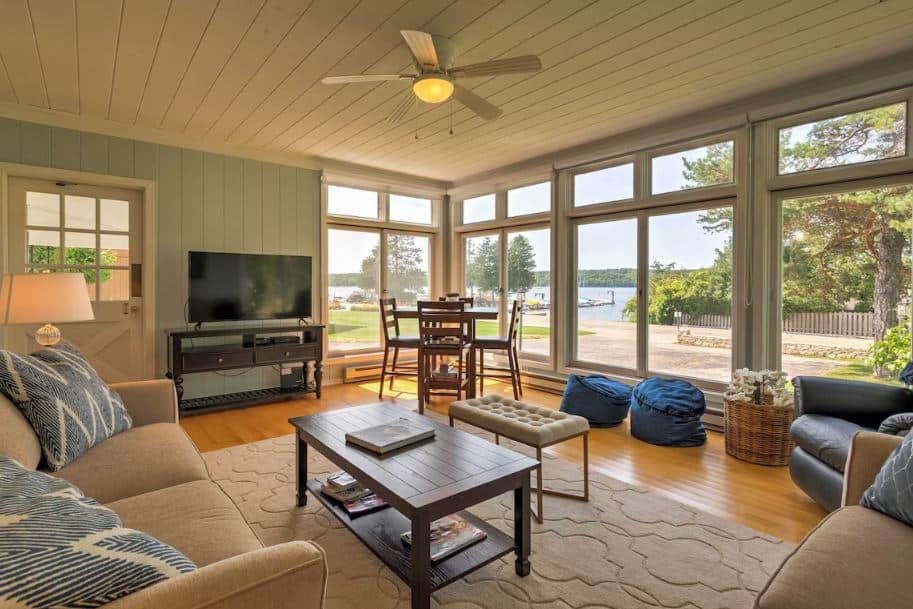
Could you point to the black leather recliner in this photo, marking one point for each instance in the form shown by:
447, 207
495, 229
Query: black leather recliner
828, 413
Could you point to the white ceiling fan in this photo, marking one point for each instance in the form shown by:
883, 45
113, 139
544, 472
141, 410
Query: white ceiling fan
435, 81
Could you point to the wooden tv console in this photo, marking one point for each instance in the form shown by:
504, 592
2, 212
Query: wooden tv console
243, 352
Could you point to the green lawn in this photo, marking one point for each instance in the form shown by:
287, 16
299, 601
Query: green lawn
858, 370
363, 326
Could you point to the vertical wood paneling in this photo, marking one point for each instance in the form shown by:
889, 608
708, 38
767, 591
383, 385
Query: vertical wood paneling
94, 155
65, 148
270, 214
120, 157
145, 162
288, 214
203, 201
35, 144
9, 141
213, 202
253, 206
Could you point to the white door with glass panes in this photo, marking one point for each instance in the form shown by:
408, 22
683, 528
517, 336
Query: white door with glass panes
97, 231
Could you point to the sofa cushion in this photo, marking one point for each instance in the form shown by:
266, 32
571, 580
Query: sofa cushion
197, 518
855, 558
63, 549
17, 438
69, 406
825, 438
892, 491
137, 461
897, 424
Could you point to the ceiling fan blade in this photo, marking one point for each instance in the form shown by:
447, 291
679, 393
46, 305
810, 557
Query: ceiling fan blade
511, 65
402, 108
483, 108
445, 50
355, 78
422, 46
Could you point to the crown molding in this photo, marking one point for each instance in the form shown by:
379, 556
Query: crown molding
66, 120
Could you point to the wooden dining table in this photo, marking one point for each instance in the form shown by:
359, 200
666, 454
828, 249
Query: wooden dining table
473, 315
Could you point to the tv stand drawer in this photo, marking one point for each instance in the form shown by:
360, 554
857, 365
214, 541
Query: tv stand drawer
214, 360
286, 353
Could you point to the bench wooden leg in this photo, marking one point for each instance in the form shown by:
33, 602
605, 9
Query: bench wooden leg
497, 439
451, 421
539, 484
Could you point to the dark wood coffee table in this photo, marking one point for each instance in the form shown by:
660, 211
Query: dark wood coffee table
422, 483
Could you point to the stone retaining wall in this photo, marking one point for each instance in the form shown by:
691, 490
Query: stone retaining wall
829, 351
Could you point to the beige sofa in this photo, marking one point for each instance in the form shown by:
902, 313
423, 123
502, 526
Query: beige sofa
856, 557
154, 478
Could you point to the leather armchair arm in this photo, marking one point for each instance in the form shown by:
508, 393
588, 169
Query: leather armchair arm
866, 404
868, 452
149, 401
291, 575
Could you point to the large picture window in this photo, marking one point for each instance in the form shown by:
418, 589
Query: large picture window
606, 293
689, 298
353, 264
845, 282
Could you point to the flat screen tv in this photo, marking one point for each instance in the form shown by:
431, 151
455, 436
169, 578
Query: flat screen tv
248, 287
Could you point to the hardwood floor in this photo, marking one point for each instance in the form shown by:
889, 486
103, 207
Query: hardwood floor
763, 498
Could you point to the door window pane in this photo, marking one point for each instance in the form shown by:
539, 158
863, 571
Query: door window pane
533, 199
481, 271
870, 135
42, 209
696, 168
115, 250
410, 209
604, 185
479, 209
690, 294
79, 212
42, 247
80, 249
529, 281
353, 263
115, 215
344, 201
114, 284
845, 284
606, 293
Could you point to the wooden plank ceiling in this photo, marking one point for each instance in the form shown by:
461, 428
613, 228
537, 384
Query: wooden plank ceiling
247, 72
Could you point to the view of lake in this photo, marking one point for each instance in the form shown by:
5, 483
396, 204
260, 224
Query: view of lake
603, 312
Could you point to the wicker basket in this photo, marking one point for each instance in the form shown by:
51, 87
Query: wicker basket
758, 433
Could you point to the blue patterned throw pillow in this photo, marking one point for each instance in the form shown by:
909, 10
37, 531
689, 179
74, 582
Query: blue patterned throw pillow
69, 406
892, 491
61, 549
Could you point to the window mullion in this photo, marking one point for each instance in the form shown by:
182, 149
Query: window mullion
643, 278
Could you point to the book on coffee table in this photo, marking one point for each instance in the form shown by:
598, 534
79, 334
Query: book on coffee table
365, 504
449, 535
390, 436
342, 481
349, 494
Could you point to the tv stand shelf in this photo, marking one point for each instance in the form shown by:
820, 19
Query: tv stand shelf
243, 352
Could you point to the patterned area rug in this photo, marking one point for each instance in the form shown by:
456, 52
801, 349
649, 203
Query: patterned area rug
626, 548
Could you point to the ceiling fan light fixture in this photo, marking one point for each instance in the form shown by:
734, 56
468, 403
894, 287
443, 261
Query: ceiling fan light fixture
433, 89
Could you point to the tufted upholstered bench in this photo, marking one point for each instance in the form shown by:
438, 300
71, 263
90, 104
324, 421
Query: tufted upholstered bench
528, 424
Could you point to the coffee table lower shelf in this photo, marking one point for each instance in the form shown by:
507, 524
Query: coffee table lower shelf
381, 531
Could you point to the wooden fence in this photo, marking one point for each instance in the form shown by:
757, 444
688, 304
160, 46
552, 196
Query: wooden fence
841, 323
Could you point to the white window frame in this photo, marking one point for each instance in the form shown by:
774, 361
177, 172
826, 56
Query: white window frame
382, 225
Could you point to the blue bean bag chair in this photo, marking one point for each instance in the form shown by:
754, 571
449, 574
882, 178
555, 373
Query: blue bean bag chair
668, 412
602, 402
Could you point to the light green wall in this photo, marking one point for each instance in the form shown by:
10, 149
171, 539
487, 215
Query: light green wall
205, 201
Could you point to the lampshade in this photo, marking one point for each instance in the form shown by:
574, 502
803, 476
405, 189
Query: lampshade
33, 298
433, 89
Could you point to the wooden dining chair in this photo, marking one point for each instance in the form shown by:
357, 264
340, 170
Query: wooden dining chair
507, 344
395, 341
442, 334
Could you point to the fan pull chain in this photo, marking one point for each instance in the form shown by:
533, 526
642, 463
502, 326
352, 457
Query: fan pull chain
451, 116
416, 127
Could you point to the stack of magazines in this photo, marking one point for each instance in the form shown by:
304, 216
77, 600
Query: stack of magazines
449, 535
355, 498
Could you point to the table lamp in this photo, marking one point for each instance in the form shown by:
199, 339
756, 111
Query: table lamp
33, 298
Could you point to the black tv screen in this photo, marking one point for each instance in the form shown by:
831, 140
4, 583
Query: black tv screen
235, 287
